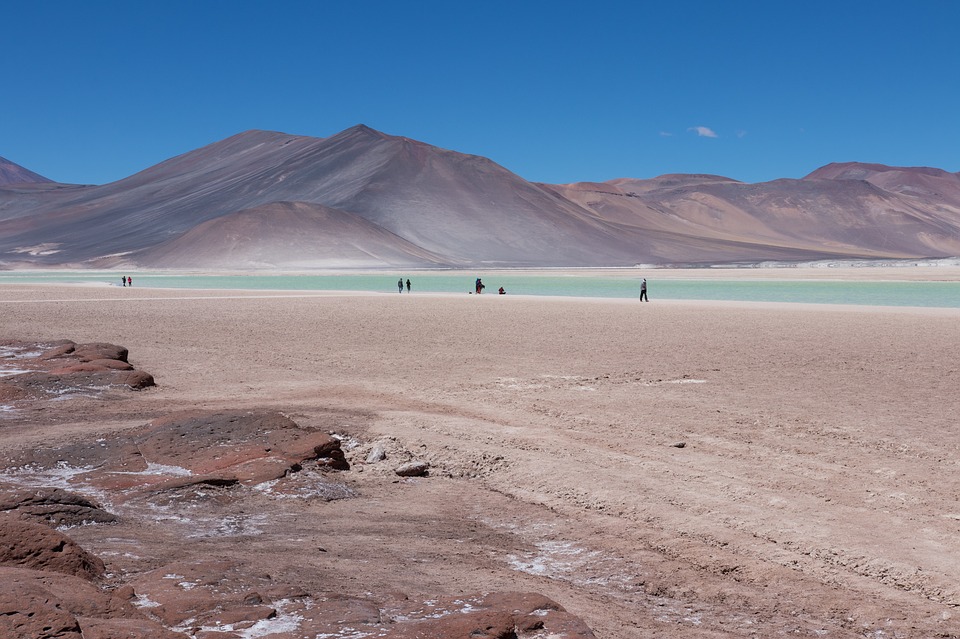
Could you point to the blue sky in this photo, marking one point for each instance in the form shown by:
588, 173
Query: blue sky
554, 91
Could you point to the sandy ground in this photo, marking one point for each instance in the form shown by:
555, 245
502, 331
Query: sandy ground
815, 494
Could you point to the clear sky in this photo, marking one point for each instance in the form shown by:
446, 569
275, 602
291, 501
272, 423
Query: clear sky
555, 91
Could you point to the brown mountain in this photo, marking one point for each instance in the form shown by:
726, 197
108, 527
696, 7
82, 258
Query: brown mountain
859, 212
364, 199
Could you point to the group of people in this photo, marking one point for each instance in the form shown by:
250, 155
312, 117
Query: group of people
478, 287
127, 281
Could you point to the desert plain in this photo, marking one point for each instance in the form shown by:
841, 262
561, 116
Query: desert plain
662, 469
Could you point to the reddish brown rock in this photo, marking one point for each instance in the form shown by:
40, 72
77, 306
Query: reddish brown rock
215, 448
509, 615
54, 506
28, 610
44, 605
98, 351
96, 366
48, 369
59, 348
33, 545
127, 629
243, 446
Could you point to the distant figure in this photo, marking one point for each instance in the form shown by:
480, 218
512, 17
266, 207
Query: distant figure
501, 291
129, 281
643, 291
408, 285
400, 285
480, 286
124, 278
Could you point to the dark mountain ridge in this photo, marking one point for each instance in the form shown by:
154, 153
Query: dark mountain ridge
364, 199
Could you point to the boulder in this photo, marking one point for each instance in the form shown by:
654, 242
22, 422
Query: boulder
377, 453
28, 610
54, 506
248, 447
413, 469
29, 544
44, 605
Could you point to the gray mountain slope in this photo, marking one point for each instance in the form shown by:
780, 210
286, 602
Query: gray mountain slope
286, 235
262, 199
11, 173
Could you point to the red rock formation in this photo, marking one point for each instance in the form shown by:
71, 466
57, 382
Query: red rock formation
28, 544
64, 367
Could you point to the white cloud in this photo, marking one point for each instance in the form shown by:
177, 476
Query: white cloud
703, 131
666, 134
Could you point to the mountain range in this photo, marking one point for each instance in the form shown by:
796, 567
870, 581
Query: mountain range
364, 199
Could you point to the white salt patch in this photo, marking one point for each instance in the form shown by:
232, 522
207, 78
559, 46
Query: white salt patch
695, 619
158, 469
283, 623
142, 601
512, 383
346, 441
59, 477
556, 558
10, 372
232, 526
266, 486
13, 352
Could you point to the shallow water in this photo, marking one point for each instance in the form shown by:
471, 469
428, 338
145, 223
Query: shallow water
870, 293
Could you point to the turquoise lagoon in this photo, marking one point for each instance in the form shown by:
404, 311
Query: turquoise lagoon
870, 293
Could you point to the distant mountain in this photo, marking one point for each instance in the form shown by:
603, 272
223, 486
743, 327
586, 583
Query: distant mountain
364, 199
311, 236
11, 173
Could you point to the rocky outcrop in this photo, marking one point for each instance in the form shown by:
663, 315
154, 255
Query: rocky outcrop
42, 605
196, 478
508, 615
234, 446
28, 544
41, 370
54, 506
214, 448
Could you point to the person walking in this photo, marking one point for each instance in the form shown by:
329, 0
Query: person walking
643, 291
408, 285
400, 285
124, 278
